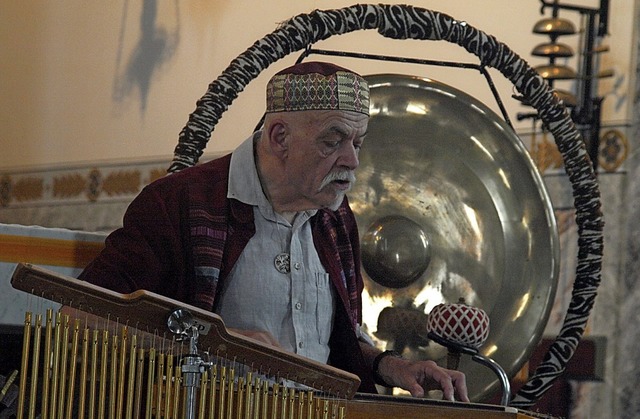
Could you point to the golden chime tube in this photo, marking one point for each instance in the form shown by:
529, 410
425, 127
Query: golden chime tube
102, 393
301, 400
242, 388
122, 364
82, 397
56, 362
285, 403
213, 380
137, 407
248, 396
168, 387
26, 344
37, 337
310, 400
285, 397
177, 392
132, 376
150, 380
292, 402
223, 388
47, 360
64, 352
160, 384
257, 400
93, 374
72, 369
264, 396
113, 377
275, 394
230, 392
204, 387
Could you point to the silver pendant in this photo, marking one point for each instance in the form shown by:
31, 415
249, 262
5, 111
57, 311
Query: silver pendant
282, 263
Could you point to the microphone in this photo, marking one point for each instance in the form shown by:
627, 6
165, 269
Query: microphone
464, 329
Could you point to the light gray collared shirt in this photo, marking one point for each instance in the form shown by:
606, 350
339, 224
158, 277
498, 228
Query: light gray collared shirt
296, 308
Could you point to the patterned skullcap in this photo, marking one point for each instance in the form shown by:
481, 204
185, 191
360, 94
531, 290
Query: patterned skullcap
317, 86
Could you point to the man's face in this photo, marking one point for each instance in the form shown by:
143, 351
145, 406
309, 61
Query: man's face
323, 155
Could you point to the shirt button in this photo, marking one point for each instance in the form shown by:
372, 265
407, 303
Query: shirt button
301, 345
296, 266
298, 306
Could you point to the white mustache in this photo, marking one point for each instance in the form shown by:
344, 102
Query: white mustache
347, 175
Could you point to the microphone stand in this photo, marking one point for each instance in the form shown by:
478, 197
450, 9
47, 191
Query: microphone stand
456, 348
182, 323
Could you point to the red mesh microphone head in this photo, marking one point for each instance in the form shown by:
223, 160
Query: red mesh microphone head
459, 323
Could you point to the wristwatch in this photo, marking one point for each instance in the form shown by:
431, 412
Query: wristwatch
376, 363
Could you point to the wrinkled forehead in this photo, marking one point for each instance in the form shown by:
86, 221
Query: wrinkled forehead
346, 122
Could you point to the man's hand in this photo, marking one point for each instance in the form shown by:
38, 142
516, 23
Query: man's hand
417, 377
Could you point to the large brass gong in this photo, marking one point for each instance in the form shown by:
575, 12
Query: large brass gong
450, 206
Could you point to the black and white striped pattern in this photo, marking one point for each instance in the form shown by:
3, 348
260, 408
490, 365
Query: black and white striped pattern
408, 22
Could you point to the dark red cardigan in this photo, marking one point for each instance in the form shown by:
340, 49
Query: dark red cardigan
181, 236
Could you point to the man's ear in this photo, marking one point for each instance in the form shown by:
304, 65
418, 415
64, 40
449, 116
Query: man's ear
278, 134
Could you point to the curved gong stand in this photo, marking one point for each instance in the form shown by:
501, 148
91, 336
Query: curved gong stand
408, 22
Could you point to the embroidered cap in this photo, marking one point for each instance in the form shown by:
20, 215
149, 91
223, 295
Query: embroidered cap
317, 86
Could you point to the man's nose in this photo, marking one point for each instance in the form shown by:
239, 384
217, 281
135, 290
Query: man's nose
349, 158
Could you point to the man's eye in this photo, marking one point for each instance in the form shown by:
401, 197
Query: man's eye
332, 144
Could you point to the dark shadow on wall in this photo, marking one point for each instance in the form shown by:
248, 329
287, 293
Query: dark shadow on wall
156, 45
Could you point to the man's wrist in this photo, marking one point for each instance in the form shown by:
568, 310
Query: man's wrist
376, 366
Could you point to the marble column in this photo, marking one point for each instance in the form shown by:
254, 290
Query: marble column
627, 350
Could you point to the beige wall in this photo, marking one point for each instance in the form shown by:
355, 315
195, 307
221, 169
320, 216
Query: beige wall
69, 95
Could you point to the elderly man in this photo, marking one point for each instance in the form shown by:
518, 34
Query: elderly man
265, 236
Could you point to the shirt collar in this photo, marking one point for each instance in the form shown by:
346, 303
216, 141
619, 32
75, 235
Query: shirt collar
244, 183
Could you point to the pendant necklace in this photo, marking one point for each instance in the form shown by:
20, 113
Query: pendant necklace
282, 261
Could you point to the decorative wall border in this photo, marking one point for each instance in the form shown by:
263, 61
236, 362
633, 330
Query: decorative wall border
77, 185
